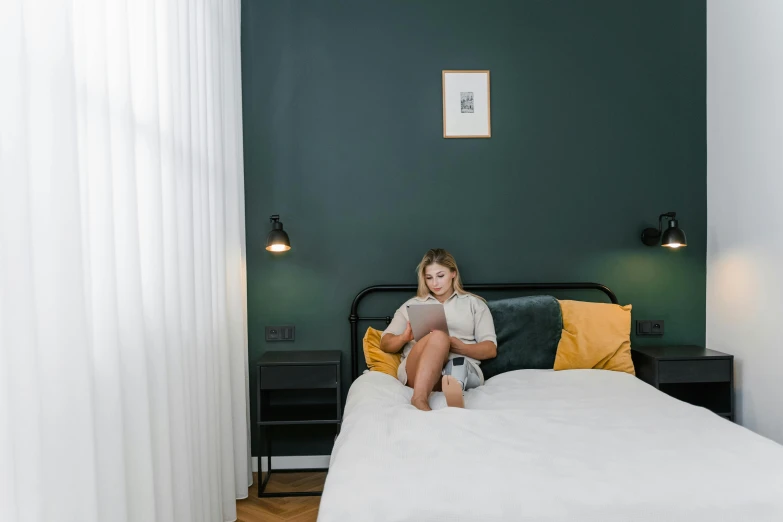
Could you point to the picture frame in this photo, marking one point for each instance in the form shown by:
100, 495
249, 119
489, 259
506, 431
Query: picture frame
466, 104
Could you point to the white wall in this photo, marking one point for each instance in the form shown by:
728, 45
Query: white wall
745, 202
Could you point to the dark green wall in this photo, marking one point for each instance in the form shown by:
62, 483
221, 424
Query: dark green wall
598, 126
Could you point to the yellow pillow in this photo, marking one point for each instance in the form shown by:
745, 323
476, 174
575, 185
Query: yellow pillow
378, 360
595, 335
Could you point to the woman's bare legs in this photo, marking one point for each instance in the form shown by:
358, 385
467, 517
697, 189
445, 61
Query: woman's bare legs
424, 365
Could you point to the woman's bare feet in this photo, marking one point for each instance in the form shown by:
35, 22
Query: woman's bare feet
452, 389
421, 404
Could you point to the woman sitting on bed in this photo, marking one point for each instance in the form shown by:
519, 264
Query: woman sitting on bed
471, 334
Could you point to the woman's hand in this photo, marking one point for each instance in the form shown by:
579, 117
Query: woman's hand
407, 335
481, 351
391, 343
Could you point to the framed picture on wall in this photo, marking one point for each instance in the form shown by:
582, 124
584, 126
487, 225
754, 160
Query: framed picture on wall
466, 109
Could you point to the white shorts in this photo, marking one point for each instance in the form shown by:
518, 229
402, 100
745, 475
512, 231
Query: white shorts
402, 374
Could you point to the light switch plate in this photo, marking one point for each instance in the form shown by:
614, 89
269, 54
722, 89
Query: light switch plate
645, 327
280, 333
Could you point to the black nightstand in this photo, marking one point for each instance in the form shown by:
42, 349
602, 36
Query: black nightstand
296, 388
692, 374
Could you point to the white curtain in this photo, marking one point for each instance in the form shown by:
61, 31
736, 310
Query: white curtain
123, 360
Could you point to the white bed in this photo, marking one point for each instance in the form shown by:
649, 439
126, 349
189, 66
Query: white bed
580, 445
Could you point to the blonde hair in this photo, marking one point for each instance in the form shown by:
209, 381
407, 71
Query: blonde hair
439, 256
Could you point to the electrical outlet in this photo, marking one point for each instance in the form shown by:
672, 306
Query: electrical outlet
280, 333
649, 327
657, 327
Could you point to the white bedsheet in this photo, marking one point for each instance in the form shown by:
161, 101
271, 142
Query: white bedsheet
583, 445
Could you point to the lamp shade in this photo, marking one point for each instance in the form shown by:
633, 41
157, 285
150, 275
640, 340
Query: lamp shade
277, 240
673, 237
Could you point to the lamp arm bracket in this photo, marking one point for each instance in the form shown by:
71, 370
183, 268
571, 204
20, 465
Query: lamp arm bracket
670, 215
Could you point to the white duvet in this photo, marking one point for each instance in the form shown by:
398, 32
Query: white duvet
582, 445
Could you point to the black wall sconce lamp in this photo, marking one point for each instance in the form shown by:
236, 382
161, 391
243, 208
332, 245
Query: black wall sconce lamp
277, 240
672, 237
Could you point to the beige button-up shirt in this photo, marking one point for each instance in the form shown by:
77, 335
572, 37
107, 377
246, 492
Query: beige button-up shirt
467, 317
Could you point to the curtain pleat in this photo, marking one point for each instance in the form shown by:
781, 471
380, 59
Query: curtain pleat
123, 322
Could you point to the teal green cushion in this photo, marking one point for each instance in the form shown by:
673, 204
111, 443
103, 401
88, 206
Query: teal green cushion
528, 330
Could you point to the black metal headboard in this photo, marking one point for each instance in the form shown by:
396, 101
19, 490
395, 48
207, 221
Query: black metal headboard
355, 318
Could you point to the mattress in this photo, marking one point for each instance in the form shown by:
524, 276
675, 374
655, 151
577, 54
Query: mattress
578, 445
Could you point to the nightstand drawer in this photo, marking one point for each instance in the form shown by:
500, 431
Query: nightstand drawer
298, 377
694, 371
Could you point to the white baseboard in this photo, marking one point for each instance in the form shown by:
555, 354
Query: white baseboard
293, 462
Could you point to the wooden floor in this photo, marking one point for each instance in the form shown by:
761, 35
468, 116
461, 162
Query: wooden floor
291, 509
